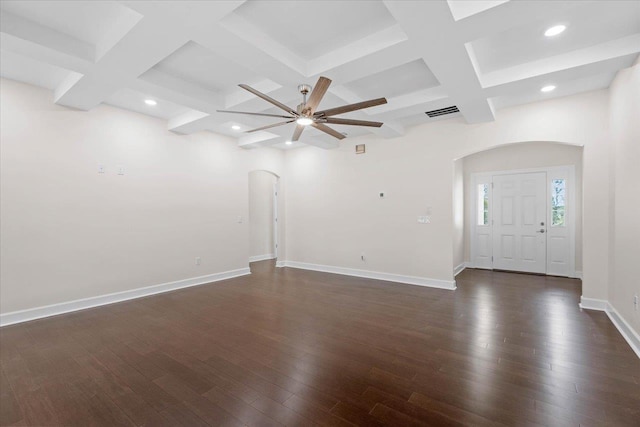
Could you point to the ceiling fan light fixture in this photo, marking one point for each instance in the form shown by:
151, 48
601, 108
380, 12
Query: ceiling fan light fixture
304, 121
555, 30
306, 115
235, 127
288, 142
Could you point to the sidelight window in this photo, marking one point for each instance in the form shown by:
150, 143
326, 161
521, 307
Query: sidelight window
483, 204
558, 196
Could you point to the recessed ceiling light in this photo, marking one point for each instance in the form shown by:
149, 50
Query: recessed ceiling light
150, 102
555, 30
235, 127
288, 142
547, 88
304, 121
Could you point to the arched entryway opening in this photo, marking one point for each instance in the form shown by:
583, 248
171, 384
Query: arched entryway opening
263, 216
518, 207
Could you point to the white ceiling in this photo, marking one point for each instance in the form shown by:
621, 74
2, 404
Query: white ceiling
190, 56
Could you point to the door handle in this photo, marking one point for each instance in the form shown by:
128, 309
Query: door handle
540, 231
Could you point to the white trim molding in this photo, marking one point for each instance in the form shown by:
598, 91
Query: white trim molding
389, 277
20, 316
264, 257
593, 304
625, 329
459, 269
280, 264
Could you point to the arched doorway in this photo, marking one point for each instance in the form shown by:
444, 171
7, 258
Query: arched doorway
263, 216
521, 205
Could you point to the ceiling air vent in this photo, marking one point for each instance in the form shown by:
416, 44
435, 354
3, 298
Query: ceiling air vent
442, 111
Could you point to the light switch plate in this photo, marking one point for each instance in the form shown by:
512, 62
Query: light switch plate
120, 169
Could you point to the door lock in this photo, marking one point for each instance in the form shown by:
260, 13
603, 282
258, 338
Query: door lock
540, 231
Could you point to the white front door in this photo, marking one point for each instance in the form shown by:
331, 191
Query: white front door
519, 222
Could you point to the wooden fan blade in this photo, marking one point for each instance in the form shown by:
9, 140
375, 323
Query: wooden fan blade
297, 133
269, 99
338, 121
327, 129
271, 126
254, 114
351, 107
318, 92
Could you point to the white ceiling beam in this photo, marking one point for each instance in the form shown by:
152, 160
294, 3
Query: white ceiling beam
57, 55
508, 15
250, 33
602, 52
178, 91
183, 123
134, 54
390, 129
360, 48
27, 30
376, 62
122, 65
255, 139
417, 98
431, 29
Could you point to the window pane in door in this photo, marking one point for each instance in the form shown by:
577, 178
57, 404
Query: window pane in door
558, 192
483, 204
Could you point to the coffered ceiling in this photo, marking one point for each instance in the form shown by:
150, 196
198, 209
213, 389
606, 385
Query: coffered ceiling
422, 55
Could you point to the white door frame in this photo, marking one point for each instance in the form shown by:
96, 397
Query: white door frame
276, 187
555, 172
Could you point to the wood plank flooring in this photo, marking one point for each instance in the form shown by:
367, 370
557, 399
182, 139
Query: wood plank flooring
293, 347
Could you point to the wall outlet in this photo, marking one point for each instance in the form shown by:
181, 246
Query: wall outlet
198, 260
100, 168
424, 219
362, 258
635, 302
120, 169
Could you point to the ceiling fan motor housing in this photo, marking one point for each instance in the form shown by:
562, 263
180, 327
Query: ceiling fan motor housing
304, 88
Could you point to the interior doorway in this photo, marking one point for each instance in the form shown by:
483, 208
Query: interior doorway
524, 221
263, 216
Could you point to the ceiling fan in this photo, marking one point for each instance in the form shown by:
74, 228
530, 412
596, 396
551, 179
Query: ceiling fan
306, 115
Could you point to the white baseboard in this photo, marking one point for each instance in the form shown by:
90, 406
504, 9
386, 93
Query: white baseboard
410, 280
625, 329
459, 269
261, 257
280, 264
593, 304
578, 275
13, 317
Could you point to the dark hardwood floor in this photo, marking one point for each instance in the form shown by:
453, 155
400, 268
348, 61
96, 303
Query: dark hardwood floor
294, 347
